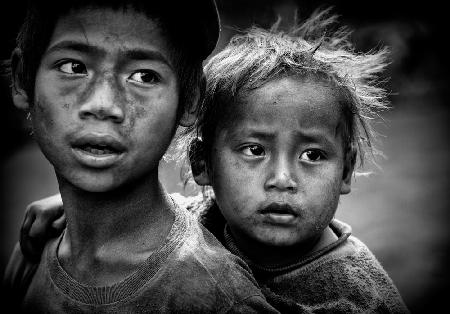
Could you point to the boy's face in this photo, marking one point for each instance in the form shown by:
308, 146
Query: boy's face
106, 96
277, 163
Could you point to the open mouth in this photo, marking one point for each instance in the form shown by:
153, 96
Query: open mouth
98, 151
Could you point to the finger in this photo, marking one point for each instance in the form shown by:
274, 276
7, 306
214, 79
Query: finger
27, 222
55, 203
51, 207
40, 227
59, 223
45, 212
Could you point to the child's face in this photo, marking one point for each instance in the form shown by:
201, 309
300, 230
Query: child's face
277, 163
106, 96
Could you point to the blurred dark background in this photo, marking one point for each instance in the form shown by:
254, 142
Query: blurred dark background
401, 211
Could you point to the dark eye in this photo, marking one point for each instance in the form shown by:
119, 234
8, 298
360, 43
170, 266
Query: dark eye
144, 77
312, 155
253, 150
73, 67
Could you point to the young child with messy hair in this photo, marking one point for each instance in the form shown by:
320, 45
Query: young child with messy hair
285, 117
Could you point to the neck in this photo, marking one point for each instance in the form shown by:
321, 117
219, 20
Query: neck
272, 256
113, 231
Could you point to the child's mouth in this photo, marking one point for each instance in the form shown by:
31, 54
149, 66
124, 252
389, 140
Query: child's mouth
97, 151
279, 213
280, 218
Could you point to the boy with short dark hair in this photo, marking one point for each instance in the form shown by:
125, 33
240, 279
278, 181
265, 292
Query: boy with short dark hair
106, 83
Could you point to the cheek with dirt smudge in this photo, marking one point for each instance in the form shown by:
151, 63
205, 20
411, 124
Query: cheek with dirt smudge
140, 111
131, 113
133, 110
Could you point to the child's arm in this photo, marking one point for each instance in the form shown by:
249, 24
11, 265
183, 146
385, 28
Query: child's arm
43, 220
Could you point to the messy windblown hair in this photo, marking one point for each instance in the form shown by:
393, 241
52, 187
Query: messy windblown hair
314, 48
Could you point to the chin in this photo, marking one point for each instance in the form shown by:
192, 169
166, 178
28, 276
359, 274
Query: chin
95, 184
281, 242
278, 238
96, 187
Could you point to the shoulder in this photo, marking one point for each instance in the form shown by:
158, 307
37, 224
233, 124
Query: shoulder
355, 257
352, 272
197, 205
362, 270
202, 266
203, 207
202, 250
348, 279
352, 258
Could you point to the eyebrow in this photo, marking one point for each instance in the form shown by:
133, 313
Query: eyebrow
136, 54
145, 54
312, 137
260, 134
76, 46
250, 132
315, 138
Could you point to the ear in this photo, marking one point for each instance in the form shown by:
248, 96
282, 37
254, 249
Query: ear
198, 163
19, 96
202, 177
190, 113
349, 166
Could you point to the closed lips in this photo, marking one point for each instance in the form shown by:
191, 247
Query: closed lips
281, 209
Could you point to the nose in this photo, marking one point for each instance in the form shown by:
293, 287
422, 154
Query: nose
103, 103
281, 176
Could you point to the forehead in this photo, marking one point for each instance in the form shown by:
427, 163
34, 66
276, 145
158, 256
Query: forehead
113, 29
290, 102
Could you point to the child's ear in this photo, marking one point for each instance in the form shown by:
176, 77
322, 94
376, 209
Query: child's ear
19, 96
349, 166
190, 112
202, 177
198, 163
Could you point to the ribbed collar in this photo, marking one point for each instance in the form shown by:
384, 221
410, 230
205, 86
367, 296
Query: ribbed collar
341, 230
101, 295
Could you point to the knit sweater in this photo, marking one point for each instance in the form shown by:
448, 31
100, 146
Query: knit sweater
343, 277
190, 273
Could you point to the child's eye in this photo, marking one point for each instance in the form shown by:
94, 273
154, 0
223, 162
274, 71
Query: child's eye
144, 77
72, 67
312, 155
253, 150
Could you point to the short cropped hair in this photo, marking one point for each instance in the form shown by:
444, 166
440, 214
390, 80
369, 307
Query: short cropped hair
314, 48
41, 19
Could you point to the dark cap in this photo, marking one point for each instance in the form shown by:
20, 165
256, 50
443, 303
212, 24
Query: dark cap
195, 22
199, 19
